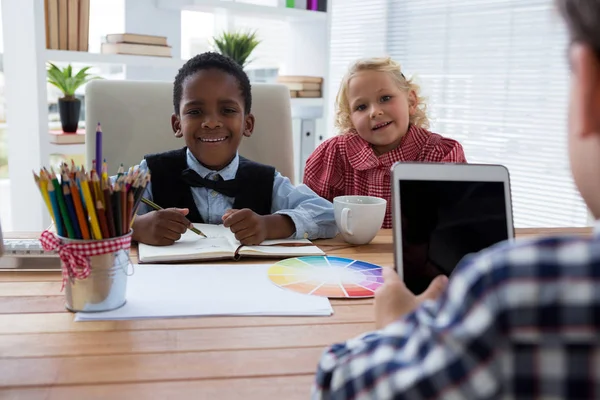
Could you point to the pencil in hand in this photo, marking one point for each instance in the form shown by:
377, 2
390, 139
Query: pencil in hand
157, 207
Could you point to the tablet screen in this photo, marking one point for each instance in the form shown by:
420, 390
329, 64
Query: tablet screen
443, 221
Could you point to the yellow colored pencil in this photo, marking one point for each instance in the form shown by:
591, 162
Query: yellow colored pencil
42, 184
90, 206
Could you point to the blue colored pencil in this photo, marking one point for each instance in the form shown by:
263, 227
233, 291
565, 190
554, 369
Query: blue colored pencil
71, 210
56, 210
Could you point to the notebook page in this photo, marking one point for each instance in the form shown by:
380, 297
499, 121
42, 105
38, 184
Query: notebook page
294, 248
191, 246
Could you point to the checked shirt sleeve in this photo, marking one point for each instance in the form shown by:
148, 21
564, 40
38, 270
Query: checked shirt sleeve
444, 349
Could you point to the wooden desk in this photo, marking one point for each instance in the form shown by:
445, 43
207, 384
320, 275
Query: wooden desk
45, 355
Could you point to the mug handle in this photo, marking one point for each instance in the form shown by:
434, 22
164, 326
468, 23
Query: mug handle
344, 220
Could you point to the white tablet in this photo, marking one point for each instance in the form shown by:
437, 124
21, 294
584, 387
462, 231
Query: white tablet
442, 212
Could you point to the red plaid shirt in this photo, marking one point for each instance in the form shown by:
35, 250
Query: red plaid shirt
347, 165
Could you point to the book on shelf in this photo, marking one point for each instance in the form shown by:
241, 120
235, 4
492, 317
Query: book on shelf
301, 4
59, 137
309, 93
136, 49
136, 38
313, 5
51, 13
73, 25
299, 79
220, 244
67, 24
302, 86
84, 24
63, 24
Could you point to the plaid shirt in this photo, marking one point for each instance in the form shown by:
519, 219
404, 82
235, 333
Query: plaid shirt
347, 165
517, 321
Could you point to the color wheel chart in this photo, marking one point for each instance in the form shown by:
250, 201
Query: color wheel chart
332, 277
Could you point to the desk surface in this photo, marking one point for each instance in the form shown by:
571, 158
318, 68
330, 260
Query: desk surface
45, 355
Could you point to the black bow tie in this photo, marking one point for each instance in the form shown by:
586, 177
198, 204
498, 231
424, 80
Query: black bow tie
226, 188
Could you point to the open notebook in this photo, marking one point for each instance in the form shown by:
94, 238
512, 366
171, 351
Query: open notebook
222, 244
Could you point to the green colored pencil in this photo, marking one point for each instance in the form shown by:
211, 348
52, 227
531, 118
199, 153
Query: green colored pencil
63, 207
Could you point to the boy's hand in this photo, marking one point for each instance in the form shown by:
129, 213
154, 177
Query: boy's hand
393, 299
249, 227
162, 227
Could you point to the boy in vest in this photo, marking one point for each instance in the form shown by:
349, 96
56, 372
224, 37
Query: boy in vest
208, 181
517, 321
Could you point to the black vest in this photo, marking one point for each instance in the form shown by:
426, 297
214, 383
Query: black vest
169, 190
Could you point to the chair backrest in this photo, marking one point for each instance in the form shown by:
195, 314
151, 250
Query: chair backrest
136, 120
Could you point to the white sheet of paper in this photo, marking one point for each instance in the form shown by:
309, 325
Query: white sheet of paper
162, 291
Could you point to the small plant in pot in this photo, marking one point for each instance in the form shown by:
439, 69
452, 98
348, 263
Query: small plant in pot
237, 46
69, 106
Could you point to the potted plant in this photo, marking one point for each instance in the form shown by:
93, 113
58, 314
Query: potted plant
68, 106
237, 45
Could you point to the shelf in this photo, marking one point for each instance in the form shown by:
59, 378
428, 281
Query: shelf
122, 59
237, 8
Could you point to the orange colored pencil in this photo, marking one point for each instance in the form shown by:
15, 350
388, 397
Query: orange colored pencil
83, 225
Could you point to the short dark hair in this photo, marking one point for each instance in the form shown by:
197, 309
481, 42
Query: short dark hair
210, 60
583, 21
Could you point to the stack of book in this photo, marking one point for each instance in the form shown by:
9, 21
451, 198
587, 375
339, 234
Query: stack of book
136, 44
302, 86
67, 24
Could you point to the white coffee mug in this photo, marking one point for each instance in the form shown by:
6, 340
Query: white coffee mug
359, 218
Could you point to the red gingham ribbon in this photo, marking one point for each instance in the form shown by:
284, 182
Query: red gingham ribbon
75, 257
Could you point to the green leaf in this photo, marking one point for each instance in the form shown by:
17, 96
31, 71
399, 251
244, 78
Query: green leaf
237, 45
64, 79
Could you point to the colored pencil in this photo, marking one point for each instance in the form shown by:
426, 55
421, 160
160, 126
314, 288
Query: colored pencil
123, 201
71, 211
99, 148
102, 218
130, 201
41, 182
90, 205
108, 209
117, 213
63, 208
79, 210
58, 216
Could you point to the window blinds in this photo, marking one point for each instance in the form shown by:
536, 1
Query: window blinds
496, 79
358, 29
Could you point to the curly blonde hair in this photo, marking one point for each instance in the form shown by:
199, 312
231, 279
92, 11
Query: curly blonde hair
381, 64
